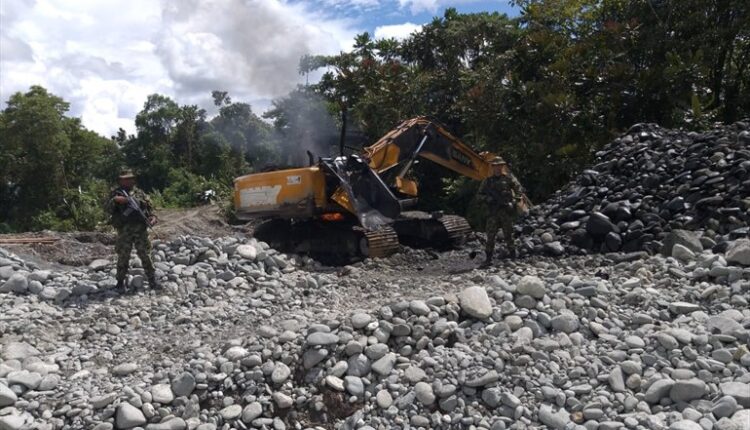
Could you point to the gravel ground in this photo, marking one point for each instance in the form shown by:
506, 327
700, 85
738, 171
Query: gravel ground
629, 310
243, 337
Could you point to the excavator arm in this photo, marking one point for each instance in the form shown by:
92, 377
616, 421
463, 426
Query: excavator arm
393, 155
420, 137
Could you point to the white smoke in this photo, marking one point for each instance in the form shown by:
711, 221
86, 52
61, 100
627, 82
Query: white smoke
246, 46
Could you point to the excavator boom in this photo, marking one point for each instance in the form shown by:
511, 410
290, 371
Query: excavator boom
394, 154
422, 137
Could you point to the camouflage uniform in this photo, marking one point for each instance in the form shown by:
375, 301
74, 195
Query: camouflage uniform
131, 231
501, 195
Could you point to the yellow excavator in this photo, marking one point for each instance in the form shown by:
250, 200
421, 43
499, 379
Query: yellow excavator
347, 208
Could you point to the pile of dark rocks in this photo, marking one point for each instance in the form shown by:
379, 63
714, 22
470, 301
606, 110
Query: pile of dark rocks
645, 184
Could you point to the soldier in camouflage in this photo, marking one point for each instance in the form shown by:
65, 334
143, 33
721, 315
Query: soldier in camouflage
132, 228
502, 195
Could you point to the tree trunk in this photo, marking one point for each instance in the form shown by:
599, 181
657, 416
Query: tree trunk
342, 138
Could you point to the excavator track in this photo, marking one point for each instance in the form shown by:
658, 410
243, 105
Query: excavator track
457, 228
381, 243
332, 243
423, 230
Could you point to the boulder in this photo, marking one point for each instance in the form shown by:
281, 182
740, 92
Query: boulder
18, 351
128, 416
682, 253
687, 239
475, 302
18, 283
739, 252
686, 390
740, 391
251, 412
7, 396
556, 420
531, 286
162, 393
247, 252
184, 384
599, 225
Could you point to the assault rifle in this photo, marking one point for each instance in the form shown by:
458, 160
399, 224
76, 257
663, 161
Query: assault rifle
132, 206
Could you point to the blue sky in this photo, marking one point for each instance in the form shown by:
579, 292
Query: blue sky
377, 13
106, 56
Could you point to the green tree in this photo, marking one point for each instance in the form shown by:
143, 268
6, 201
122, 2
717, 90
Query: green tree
351, 74
191, 120
245, 132
53, 172
219, 159
178, 149
549, 88
149, 152
90, 156
34, 140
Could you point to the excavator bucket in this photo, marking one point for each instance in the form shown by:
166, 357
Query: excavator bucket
363, 192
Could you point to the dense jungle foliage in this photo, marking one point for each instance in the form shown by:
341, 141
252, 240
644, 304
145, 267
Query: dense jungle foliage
545, 89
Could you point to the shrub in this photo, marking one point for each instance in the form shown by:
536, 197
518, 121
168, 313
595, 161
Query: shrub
79, 208
186, 189
51, 220
85, 205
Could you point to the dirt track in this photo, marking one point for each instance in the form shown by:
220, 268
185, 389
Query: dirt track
81, 248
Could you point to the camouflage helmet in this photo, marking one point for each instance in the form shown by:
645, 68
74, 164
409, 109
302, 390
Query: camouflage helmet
498, 161
126, 174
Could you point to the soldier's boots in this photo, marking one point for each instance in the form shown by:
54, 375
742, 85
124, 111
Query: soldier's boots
487, 261
510, 253
122, 285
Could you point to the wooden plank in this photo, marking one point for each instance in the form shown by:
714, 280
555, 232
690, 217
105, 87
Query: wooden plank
25, 240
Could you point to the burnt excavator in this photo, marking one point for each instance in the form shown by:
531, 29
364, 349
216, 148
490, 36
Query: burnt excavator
348, 208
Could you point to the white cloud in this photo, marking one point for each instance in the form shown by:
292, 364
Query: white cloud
417, 6
432, 6
106, 56
353, 4
396, 31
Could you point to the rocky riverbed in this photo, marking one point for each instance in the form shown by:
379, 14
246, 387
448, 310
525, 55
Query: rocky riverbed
244, 337
628, 310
